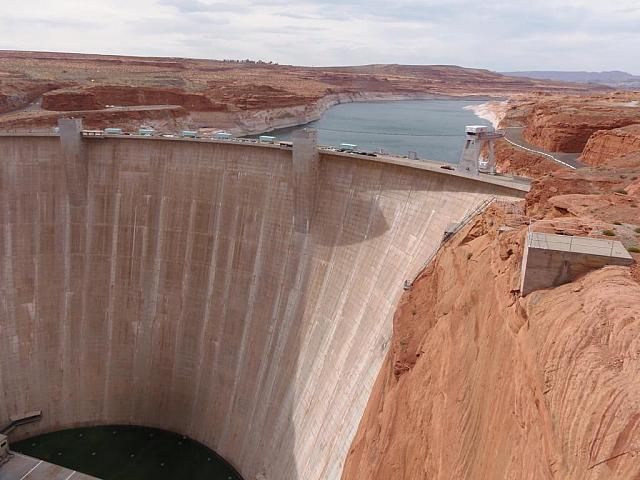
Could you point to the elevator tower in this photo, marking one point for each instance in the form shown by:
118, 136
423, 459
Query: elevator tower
478, 155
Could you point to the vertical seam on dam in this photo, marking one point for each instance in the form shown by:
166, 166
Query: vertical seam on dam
112, 281
211, 276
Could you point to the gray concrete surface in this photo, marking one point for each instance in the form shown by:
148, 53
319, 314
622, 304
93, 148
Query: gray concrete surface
75, 164
181, 295
22, 467
551, 260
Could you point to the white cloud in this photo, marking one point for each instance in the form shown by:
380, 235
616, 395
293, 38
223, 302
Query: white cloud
500, 35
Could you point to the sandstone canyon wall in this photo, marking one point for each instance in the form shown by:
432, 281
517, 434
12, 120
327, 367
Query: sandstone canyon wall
480, 383
607, 144
564, 123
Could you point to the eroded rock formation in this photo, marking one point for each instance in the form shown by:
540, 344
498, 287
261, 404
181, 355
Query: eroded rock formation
97, 98
510, 159
564, 123
480, 383
607, 144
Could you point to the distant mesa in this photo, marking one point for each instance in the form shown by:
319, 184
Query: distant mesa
243, 97
616, 79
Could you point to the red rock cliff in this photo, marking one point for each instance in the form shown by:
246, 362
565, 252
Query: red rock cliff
564, 123
606, 144
481, 384
96, 98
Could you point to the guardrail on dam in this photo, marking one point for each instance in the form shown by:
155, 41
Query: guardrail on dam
220, 290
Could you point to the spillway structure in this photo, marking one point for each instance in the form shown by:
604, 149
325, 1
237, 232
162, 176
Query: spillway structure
236, 293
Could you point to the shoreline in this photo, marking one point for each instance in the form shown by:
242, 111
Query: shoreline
262, 121
257, 122
492, 111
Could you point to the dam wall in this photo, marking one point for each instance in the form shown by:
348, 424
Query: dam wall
179, 295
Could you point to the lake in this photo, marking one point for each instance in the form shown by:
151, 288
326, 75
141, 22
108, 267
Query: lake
434, 129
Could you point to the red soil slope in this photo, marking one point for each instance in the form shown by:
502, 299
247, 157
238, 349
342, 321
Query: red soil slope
510, 159
96, 98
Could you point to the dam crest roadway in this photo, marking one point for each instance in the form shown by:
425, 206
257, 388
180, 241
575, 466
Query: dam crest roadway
237, 293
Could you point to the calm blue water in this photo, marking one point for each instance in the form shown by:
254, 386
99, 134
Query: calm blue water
434, 129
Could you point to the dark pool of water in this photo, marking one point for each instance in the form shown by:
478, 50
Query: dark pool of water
434, 129
128, 453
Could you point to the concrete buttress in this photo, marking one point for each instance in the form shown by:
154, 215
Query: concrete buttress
75, 162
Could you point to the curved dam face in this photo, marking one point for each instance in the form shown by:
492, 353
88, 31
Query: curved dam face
209, 289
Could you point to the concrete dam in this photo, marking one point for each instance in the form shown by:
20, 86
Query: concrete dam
239, 294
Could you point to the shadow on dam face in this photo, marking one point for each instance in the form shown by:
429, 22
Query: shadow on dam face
180, 296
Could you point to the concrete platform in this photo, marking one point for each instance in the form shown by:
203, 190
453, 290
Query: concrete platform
22, 467
551, 260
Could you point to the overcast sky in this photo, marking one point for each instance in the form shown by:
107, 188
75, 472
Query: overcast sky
499, 35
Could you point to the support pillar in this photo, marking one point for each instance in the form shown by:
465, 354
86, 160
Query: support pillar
479, 139
75, 162
470, 154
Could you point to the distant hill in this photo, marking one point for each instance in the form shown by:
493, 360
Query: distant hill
36, 88
612, 79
